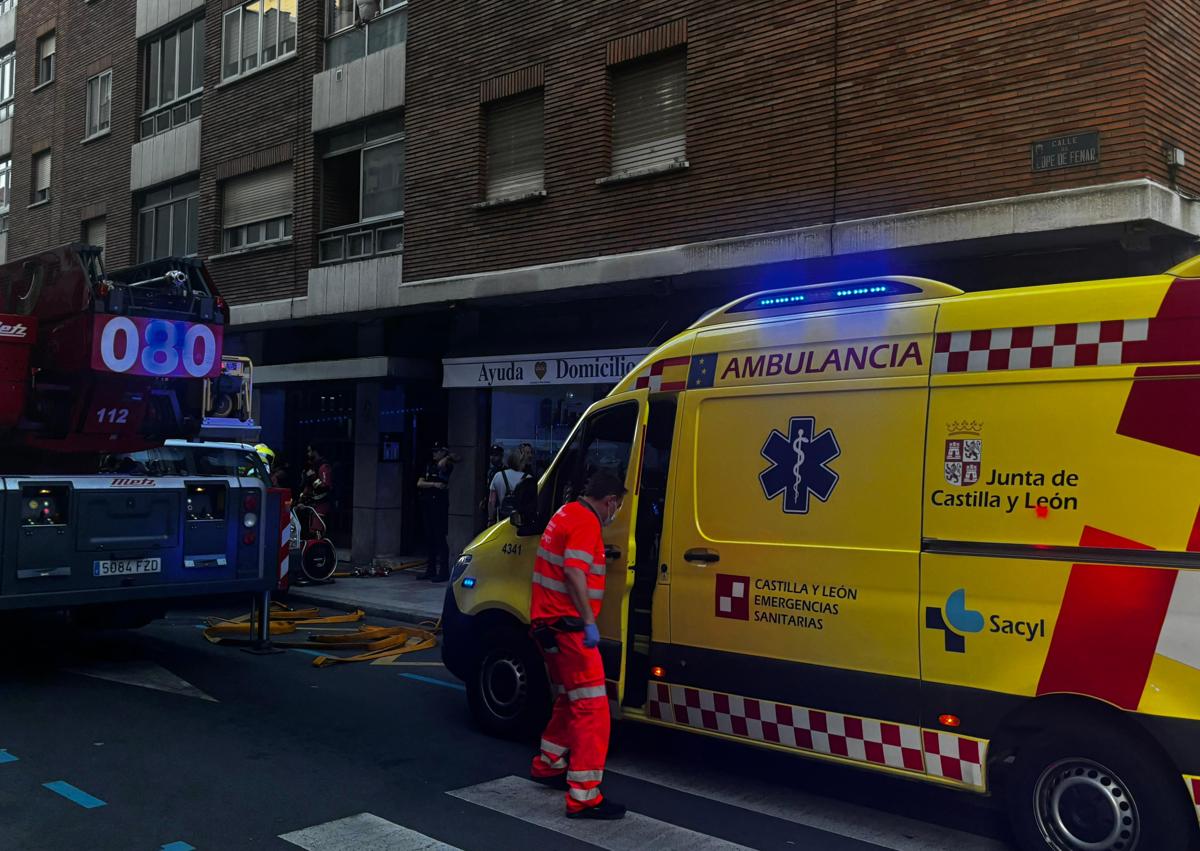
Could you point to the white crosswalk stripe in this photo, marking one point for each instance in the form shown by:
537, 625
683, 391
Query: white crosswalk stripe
363, 832
535, 804
848, 820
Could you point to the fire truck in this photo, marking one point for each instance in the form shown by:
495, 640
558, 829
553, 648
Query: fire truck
96, 365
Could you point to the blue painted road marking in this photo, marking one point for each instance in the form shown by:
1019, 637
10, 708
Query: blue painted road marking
5, 756
71, 793
435, 682
178, 846
307, 652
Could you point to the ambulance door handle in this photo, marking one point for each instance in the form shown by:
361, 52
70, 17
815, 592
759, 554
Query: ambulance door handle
611, 553
702, 556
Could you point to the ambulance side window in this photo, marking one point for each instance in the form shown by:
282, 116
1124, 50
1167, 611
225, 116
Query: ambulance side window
603, 442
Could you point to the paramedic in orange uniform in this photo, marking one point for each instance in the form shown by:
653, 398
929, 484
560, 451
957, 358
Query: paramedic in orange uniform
568, 588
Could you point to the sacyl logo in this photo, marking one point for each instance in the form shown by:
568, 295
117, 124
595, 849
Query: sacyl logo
955, 621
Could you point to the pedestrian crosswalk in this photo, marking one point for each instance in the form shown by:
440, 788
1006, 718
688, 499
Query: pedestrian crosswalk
535, 804
363, 832
816, 823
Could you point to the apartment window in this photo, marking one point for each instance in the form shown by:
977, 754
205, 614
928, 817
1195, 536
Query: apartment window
99, 104
256, 209
5, 184
350, 38
257, 34
45, 56
169, 221
649, 112
7, 6
8, 79
362, 192
514, 147
41, 178
172, 78
95, 232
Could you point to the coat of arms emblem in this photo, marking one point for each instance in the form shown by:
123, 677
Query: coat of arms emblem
964, 453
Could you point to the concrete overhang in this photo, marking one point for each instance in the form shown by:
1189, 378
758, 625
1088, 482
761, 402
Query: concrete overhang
1071, 216
351, 369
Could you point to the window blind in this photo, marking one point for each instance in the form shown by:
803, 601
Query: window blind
42, 166
649, 113
256, 197
95, 232
514, 147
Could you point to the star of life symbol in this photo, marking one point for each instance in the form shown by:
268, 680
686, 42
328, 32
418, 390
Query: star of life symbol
964, 453
799, 464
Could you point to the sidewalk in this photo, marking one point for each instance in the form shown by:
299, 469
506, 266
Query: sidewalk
400, 596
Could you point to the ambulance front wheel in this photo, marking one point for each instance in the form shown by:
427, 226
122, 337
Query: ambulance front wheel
1097, 793
507, 691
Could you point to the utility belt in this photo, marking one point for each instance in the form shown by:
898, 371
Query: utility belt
545, 633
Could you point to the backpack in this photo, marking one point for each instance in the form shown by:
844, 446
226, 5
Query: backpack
525, 505
509, 503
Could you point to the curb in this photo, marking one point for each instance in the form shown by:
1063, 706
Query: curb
410, 616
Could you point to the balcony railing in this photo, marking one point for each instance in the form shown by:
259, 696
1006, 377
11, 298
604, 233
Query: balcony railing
360, 241
172, 115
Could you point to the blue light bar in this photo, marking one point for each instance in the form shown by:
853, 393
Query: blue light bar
821, 295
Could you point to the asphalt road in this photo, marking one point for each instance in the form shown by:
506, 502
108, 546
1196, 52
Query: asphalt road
157, 739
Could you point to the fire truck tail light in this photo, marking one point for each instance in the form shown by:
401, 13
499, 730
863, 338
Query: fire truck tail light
250, 503
249, 538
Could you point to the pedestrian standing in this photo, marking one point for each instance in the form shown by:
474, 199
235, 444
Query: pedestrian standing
318, 489
500, 490
433, 489
527, 459
568, 589
495, 465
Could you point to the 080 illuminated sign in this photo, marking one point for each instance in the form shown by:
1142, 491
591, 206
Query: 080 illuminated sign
157, 348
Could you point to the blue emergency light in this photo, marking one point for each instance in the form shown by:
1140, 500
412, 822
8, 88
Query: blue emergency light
818, 294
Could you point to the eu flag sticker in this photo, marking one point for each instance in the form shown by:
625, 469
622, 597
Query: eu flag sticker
703, 370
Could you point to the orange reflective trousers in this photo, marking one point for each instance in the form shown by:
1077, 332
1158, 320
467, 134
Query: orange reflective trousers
576, 739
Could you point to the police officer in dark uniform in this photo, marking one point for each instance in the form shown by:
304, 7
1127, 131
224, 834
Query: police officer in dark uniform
433, 490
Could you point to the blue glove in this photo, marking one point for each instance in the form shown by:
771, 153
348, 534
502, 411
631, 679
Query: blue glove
591, 635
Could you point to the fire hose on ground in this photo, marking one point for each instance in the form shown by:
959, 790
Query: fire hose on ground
376, 642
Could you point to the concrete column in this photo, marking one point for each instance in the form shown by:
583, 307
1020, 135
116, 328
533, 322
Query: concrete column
468, 426
377, 486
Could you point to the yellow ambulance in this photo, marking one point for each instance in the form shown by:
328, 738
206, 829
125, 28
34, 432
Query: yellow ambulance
949, 536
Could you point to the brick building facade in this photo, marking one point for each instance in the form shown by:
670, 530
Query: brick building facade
451, 194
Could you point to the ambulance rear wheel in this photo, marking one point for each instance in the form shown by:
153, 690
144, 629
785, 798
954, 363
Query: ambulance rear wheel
1102, 793
508, 692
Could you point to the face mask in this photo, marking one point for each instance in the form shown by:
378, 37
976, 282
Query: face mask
612, 515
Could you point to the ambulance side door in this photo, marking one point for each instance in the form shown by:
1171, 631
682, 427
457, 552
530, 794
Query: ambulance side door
794, 561
605, 440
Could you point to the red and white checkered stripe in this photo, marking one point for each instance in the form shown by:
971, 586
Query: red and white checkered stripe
954, 757
867, 740
675, 379
1039, 346
1193, 784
